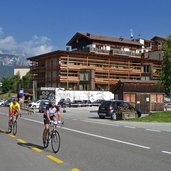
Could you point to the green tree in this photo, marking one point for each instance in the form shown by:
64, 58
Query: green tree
26, 80
6, 84
15, 81
165, 74
9, 83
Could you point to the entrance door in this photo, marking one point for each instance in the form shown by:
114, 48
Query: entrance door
143, 103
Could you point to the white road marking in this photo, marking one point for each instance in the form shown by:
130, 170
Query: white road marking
33, 120
130, 127
74, 119
153, 130
99, 123
167, 152
97, 136
102, 137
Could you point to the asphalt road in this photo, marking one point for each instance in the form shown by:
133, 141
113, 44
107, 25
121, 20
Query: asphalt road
88, 144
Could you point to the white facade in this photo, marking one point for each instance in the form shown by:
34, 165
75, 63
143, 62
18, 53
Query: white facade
21, 71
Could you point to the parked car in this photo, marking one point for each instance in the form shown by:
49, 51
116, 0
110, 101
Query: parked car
97, 102
115, 108
64, 102
43, 105
77, 103
7, 102
35, 105
86, 101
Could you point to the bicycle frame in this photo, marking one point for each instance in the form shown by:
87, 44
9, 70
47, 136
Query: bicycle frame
13, 124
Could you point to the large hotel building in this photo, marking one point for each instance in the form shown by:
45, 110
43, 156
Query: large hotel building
96, 62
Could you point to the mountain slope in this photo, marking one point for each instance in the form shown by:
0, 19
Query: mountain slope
8, 62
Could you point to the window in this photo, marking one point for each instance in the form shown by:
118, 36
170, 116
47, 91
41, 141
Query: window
146, 68
84, 76
129, 97
157, 98
145, 78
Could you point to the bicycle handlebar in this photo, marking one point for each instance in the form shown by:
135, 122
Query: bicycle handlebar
55, 123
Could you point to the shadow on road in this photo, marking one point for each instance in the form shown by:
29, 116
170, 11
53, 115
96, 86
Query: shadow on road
30, 145
4, 131
93, 117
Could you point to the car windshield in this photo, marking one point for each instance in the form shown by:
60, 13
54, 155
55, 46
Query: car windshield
105, 103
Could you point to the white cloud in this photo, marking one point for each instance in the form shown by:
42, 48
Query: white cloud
35, 46
8, 43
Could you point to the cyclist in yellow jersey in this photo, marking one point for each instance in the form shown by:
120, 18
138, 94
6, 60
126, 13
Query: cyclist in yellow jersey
14, 108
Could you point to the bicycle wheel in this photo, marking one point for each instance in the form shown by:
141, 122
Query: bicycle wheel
14, 125
46, 139
10, 128
55, 141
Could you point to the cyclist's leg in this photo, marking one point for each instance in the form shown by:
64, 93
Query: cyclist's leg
46, 126
59, 117
10, 119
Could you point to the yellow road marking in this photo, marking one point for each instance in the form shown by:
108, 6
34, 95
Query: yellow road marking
55, 159
36, 149
75, 169
11, 135
21, 141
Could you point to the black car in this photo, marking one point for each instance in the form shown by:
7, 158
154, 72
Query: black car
97, 102
117, 109
64, 103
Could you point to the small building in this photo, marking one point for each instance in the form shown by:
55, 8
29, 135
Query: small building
21, 70
146, 96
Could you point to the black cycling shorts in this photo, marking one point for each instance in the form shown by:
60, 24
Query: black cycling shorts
46, 120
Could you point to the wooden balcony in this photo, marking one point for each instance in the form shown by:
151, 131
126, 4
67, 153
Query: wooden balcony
69, 79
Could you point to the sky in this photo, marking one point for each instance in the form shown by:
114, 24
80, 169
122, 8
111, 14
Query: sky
33, 27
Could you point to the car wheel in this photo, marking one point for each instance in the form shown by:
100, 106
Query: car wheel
101, 117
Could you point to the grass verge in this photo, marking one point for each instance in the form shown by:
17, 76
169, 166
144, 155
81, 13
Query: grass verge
154, 117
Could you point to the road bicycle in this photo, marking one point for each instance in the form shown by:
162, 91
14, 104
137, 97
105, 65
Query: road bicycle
53, 136
13, 125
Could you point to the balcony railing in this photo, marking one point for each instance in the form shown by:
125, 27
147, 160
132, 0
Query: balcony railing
107, 52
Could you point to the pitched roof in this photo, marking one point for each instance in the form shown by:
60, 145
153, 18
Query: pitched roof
103, 38
160, 38
138, 86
